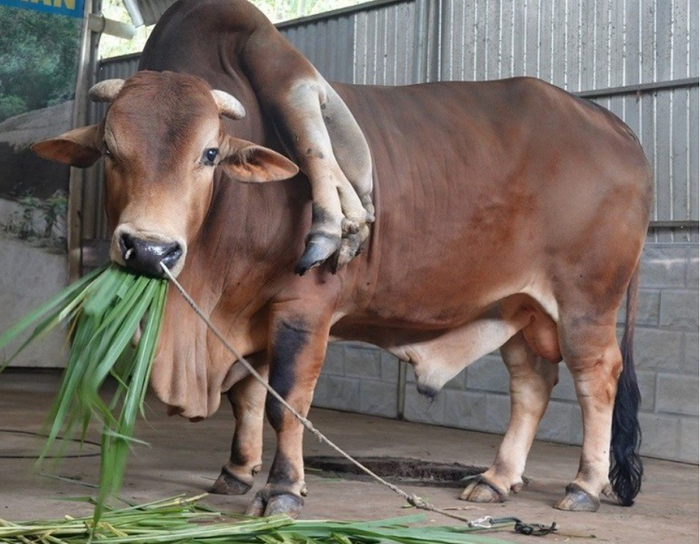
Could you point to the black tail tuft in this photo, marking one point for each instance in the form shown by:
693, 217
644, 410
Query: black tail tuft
626, 470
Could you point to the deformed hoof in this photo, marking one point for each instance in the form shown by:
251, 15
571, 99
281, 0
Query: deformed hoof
267, 503
369, 207
319, 247
482, 490
230, 484
578, 500
351, 246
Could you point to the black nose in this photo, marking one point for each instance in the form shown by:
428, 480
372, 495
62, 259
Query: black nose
145, 256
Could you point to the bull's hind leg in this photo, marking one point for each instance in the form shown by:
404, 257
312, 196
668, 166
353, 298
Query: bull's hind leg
319, 130
248, 402
590, 349
531, 381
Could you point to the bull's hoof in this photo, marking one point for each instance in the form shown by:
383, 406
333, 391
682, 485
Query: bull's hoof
483, 490
229, 484
269, 503
319, 247
578, 500
351, 246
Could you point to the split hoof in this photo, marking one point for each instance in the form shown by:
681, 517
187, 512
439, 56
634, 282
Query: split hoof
351, 246
267, 503
578, 500
350, 226
230, 484
319, 247
482, 490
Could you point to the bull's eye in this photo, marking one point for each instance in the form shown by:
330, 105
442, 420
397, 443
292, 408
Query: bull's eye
210, 156
107, 151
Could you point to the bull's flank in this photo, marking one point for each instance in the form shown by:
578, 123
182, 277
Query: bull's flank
104, 310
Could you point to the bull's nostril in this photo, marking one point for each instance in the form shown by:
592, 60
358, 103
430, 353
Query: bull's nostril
126, 245
172, 255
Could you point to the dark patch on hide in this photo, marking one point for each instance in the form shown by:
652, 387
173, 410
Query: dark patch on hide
320, 215
427, 391
282, 473
238, 456
290, 340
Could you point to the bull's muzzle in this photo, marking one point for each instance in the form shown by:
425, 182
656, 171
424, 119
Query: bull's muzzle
146, 256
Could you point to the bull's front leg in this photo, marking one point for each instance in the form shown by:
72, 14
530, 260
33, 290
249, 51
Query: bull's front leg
247, 399
296, 352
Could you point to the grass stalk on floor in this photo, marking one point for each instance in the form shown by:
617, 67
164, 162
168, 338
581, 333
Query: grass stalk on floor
177, 521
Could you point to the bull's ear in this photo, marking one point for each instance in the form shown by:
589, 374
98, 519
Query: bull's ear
79, 147
251, 163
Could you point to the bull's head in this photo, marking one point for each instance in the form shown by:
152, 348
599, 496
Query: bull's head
162, 139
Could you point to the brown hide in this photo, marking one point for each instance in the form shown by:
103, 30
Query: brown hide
511, 199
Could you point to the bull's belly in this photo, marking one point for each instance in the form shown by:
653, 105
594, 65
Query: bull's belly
439, 351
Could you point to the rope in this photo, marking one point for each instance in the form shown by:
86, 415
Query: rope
410, 498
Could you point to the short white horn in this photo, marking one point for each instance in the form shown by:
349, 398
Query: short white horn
228, 105
105, 91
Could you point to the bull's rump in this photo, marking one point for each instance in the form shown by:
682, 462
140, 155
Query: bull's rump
488, 189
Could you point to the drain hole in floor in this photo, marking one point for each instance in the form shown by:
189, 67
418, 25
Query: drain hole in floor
395, 470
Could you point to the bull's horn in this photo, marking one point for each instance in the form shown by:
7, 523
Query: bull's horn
228, 105
106, 91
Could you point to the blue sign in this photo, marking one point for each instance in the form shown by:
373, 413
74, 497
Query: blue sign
70, 8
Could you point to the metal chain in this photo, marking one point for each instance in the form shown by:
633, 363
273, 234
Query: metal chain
410, 498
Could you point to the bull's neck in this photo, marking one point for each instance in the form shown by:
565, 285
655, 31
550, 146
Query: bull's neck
250, 240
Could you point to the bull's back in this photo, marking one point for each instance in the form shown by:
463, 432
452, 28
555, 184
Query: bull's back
479, 186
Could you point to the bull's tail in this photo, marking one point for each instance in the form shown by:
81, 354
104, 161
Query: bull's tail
626, 468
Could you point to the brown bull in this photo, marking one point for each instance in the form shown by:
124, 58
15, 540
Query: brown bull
508, 214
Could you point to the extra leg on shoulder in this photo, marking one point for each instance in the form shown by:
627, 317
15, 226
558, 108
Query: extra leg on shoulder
320, 132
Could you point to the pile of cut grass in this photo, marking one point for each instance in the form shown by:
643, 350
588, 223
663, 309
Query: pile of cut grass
104, 309
179, 521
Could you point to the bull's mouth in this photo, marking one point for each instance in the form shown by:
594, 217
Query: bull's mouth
146, 252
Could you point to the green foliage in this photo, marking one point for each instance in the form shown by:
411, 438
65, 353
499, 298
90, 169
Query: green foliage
111, 46
38, 59
54, 210
26, 224
11, 106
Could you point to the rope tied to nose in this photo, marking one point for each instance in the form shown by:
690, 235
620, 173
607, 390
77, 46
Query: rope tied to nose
414, 500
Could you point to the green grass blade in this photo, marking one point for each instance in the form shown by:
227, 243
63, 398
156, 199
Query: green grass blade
58, 301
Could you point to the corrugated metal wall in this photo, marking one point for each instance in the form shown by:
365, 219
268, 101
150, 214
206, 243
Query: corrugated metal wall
599, 45
639, 59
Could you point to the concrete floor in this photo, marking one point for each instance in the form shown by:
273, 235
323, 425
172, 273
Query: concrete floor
185, 458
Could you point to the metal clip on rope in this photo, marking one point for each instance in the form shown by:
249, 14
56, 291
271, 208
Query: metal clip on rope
533, 529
